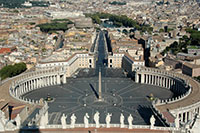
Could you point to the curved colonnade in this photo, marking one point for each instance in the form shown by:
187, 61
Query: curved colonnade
184, 105
35, 80
186, 102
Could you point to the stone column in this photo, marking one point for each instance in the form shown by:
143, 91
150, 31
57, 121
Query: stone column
159, 81
150, 79
163, 81
142, 78
58, 79
181, 117
42, 81
146, 78
169, 83
19, 91
16, 92
23, 86
30, 82
186, 116
27, 85
55, 82
156, 80
47, 81
34, 85
64, 79
192, 115
136, 78
172, 83
37, 84
27, 89
50, 80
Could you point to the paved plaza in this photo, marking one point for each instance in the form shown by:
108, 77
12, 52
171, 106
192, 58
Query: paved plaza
120, 95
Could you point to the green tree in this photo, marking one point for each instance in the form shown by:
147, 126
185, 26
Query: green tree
12, 70
161, 30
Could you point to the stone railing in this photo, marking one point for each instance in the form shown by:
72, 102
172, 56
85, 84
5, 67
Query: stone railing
113, 126
172, 100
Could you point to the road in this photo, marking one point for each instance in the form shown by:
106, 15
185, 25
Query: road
101, 57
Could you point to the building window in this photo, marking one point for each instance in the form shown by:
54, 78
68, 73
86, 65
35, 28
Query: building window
90, 66
90, 61
110, 60
110, 65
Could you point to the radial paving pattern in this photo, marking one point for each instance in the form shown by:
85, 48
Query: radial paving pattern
121, 95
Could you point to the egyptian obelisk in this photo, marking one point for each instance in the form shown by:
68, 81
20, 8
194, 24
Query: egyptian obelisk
100, 94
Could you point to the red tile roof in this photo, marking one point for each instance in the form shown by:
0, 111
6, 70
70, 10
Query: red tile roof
5, 50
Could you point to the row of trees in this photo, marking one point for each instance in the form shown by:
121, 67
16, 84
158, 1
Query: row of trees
184, 42
119, 21
54, 26
117, 3
194, 36
12, 70
12, 3
40, 3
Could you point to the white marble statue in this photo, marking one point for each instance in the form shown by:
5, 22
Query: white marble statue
46, 117
2, 121
2, 126
196, 128
2, 117
18, 121
177, 124
121, 121
63, 121
152, 121
73, 121
130, 120
108, 119
42, 122
86, 121
96, 119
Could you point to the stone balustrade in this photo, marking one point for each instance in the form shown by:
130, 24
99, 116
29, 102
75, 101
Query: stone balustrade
172, 100
112, 126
